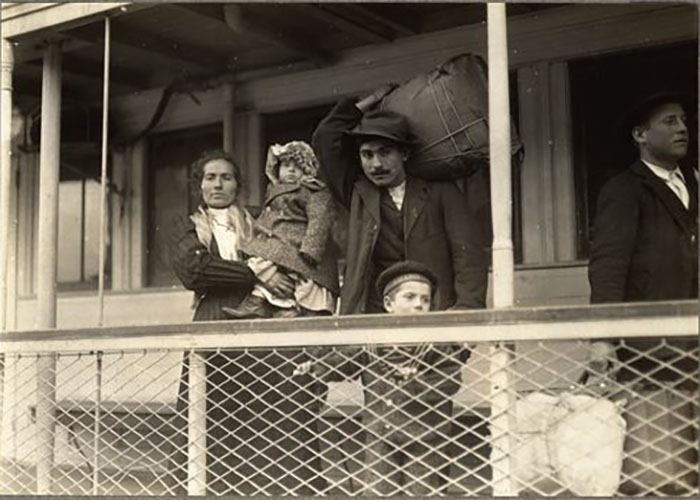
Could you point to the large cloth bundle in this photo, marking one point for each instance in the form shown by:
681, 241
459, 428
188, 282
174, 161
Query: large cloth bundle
570, 441
447, 109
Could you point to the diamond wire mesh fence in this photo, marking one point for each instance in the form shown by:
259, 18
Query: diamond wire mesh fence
549, 418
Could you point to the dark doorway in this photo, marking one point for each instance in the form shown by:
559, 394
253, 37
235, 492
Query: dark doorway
602, 90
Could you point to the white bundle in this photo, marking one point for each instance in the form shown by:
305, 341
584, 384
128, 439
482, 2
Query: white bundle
574, 440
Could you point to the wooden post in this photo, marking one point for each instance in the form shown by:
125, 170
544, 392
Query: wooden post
48, 248
197, 427
121, 236
502, 392
229, 91
255, 160
138, 187
7, 63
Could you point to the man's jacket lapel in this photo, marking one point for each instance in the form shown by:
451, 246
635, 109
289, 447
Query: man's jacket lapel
369, 193
414, 202
692, 185
666, 195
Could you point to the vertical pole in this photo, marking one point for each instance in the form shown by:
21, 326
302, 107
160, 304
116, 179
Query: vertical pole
197, 427
6, 66
502, 400
82, 229
499, 138
138, 189
13, 237
120, 223
103, 178
49, 164
98, 415
255, 157
48, 245
229, 117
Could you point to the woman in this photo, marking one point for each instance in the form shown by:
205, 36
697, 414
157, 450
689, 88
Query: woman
261, 420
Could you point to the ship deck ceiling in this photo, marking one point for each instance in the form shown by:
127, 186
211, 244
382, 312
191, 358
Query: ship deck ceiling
163, 43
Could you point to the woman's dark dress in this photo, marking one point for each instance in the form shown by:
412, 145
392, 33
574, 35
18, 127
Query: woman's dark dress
261, 421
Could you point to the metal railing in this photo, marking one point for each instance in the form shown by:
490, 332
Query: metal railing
577, 401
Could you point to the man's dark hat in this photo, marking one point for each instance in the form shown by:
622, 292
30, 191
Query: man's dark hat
644, 108
385, 124
401, 272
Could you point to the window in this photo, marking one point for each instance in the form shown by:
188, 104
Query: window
79, 199
602, 89
79, 233
170, 156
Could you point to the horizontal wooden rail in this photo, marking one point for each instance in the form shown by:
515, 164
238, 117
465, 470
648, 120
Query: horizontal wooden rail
678, 318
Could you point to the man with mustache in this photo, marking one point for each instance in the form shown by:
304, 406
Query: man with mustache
394, 216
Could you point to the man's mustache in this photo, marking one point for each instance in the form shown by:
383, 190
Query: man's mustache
380, 171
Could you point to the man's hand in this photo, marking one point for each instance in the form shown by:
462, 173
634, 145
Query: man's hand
280, 285
375, 97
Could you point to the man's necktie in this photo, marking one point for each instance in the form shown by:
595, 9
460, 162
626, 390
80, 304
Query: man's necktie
675, 182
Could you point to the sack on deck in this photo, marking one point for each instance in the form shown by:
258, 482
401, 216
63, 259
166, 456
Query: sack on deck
568, 441
447, 110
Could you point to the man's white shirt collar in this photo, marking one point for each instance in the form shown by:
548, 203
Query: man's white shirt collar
674, 180
664, 173
398, 193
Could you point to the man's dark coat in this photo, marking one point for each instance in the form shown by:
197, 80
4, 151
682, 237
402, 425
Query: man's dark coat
439, 228
644, 241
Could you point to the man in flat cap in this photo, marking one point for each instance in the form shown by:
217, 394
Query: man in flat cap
644, 244
394, 216
645, 233
407, 415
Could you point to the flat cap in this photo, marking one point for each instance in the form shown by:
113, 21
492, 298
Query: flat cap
401, 272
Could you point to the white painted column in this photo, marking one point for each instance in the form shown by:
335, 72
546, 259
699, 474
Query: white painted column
13, 242
27, 195
47, 267
49, 161
138, 205
502, 390
120, 237
7, 63
197, 427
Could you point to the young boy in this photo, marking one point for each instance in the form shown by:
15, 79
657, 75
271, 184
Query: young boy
408, 395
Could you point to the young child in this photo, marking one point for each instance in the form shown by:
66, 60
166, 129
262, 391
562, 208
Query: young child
291, 235
408, 392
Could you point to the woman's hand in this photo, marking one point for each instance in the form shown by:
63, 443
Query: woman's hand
280, 285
